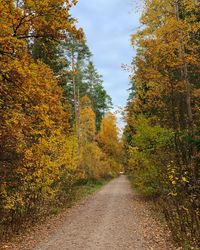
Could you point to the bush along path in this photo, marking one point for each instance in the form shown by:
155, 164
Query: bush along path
113, 218
56, 131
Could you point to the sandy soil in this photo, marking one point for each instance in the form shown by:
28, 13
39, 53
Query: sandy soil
113, 218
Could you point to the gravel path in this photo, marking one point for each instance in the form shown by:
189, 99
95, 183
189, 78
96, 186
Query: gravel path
111, 219
115, 218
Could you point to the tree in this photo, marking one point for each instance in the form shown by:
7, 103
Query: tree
166, 89
101, 101
108, 134
37, 147
87, 122
108, 139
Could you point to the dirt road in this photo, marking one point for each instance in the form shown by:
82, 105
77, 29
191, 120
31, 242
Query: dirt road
113, 218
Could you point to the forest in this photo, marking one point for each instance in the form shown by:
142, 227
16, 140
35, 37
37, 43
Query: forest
162, 135
54, 111
57, 131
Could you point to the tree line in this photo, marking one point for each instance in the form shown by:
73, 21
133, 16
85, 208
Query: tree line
162, 135
55, 128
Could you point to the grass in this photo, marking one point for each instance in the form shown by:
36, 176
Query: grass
80, 192
85, 190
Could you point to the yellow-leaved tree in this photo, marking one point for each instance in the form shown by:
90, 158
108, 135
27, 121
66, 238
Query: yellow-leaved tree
38, 151
108, 139
162, 132
37, 147
87, 121
90, 162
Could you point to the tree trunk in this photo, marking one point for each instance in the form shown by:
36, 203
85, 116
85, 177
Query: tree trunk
78, 122
185, 76
74, 86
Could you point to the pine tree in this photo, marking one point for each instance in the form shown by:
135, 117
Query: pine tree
101, 101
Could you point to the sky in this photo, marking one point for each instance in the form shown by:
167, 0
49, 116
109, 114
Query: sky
108, 25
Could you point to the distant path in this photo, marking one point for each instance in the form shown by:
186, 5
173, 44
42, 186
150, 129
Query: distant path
113, 218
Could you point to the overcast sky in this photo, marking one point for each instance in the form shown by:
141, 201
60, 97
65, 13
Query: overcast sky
108, 25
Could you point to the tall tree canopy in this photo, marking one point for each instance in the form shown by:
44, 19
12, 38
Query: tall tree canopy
45, 72
162, 132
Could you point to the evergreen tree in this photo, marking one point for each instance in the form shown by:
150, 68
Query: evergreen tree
101, 101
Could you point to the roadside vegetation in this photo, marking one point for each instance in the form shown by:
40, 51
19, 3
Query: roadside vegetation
163, 114
54, 113
59, 141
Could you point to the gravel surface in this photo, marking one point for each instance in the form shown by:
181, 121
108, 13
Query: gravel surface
113, 218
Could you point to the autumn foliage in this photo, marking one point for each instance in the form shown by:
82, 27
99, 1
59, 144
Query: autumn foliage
162, 132
41, 156
96, 147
